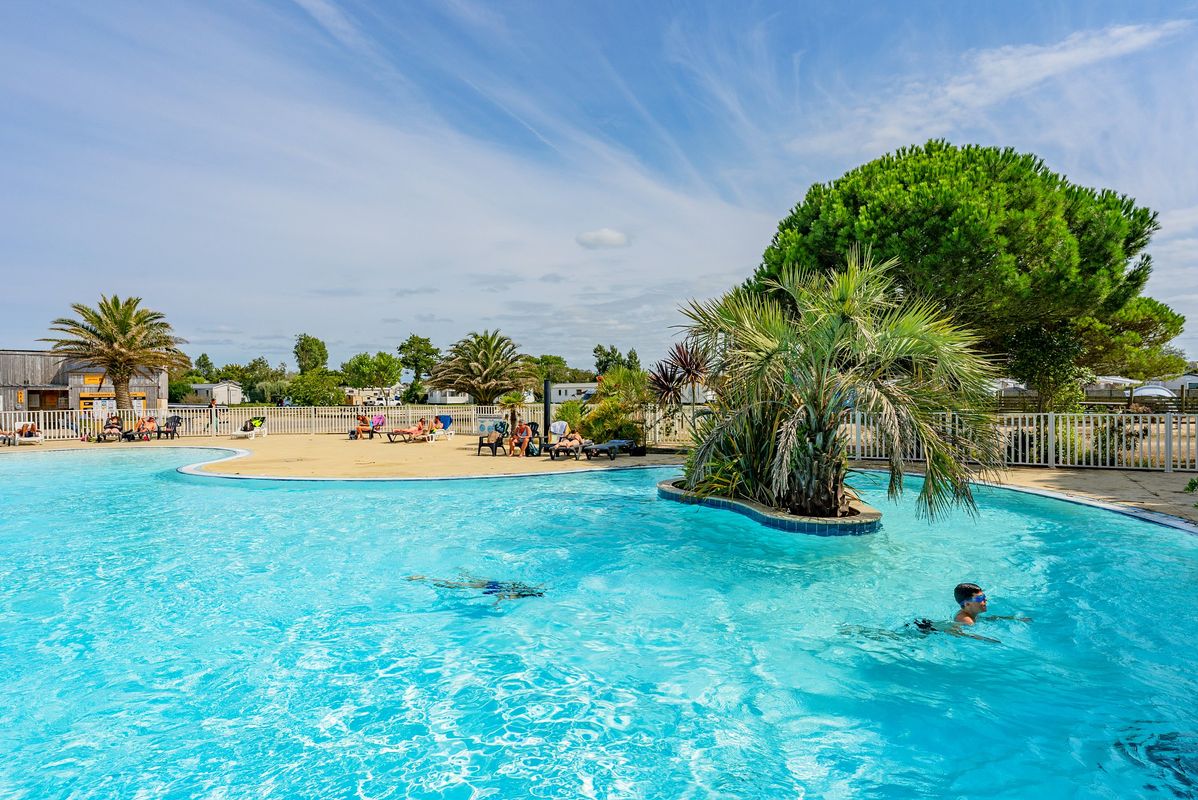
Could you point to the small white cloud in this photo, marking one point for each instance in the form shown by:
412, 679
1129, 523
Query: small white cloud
604, 237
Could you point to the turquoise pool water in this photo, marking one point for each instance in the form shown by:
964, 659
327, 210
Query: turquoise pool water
163, 635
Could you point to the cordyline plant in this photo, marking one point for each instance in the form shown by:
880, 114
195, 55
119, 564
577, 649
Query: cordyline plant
790, 366
121, 338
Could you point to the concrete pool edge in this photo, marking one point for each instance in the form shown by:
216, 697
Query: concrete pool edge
868, 519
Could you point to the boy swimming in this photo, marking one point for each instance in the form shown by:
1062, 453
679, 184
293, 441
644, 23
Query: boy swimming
972, 600
500, 590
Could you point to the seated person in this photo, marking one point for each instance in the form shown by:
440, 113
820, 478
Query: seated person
438, 424
363, 427
248, 426
28, 430
521, 436
113, 423
151, 427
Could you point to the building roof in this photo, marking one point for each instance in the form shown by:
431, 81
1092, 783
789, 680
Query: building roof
218, 383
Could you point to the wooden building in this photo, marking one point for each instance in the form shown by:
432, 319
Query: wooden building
39, 380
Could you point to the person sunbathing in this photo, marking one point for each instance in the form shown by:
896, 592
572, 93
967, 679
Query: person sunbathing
112, 423
416, 430
28, 430
151, 428
364, 427
568, 442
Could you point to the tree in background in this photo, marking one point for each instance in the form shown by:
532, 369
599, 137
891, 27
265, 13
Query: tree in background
555, 370
1134, 341
310, 353
417, 354
607, 358
483, 365
1046, 361
270, 391
992, 235
365, 370
121, 338
316, 387
205, 368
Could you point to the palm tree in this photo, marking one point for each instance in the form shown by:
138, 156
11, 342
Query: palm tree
794, 363
122, 339
511, 402
483, 365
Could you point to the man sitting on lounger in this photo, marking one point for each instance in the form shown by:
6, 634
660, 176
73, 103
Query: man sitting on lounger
521, 436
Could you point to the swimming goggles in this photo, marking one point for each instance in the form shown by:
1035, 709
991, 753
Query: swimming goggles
981, 598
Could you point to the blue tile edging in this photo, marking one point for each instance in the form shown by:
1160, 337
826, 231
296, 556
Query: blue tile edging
867, 519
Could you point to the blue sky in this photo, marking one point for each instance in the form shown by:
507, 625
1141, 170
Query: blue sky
567, 172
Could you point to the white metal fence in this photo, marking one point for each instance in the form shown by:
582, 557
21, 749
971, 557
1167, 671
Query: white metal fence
1115, 441
221, 421
1119, 441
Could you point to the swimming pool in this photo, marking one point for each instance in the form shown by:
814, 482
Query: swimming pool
163, 635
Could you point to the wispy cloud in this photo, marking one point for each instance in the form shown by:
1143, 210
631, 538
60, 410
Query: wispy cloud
602, 238
937, 105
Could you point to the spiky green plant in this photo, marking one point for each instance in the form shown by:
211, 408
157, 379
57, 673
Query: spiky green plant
483, 365
791, 364
511, 402
121, 338
617, 409
693, 364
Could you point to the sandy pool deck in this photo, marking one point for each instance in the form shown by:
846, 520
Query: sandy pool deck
333, 456
330, 456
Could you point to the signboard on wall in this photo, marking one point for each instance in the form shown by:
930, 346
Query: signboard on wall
101, 404
93, 380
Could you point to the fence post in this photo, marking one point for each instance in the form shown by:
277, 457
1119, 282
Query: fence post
312, 420
1050, 448
857, 434
1169, 442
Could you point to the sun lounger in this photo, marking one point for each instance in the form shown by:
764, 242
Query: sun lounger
563, 450
257, 427
36, 438
444, 432
610, 449
110, 434
406, 435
